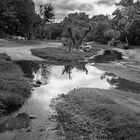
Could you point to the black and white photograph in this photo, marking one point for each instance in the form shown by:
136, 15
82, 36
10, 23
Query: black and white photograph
69, 69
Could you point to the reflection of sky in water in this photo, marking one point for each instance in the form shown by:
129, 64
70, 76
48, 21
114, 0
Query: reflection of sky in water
58, 83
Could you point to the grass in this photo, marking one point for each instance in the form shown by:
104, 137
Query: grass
133, 55
60, 54
86, 114
14, 122
14, 88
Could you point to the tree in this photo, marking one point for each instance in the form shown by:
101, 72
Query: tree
75, 43
47, 16
17, 17
47, 12
100, 24
76, 28
25, 12
127, 21
8, 18
78, 22
37, 27
53, 30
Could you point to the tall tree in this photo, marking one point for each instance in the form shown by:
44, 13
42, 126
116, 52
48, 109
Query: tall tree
127, 20
25, 12
8, 18
76, 28
47, 15
17, 16
99, 25
47, 12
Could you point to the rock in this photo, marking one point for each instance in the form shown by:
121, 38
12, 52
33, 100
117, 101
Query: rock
32, 117
38, 82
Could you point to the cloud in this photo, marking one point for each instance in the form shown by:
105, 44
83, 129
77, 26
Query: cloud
72, 6
91, 7
64, 7
106, 2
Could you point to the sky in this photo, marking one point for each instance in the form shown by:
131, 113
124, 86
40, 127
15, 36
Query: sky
91, 7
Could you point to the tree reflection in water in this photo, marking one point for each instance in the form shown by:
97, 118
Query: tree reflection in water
68, 68
42, 74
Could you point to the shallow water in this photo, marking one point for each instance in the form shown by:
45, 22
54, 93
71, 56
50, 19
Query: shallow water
57, 80
50, 80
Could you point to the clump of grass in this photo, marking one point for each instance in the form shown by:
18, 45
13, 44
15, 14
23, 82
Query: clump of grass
133, 55
14, 122
83, 114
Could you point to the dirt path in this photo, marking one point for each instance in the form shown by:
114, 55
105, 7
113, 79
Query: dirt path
23, 52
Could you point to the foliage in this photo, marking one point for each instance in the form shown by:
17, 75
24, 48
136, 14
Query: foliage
127, 20
76, 28
8, 18
17, 17
47, 12
53, 31
99, 25
78, 22
46, 16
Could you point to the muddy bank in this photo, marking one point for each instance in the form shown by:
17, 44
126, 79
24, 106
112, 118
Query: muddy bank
107, 56
90, 114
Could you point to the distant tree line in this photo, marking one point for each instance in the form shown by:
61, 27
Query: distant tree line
123, 25
18, 17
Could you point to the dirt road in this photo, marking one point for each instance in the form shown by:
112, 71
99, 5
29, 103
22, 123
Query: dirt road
23, 52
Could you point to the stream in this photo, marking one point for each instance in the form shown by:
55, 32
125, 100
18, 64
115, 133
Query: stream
51, 80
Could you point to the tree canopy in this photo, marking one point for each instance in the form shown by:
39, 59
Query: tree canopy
127, 20
18, 17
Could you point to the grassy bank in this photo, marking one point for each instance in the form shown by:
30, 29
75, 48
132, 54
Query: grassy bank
88, 114
14, 88
61, 54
